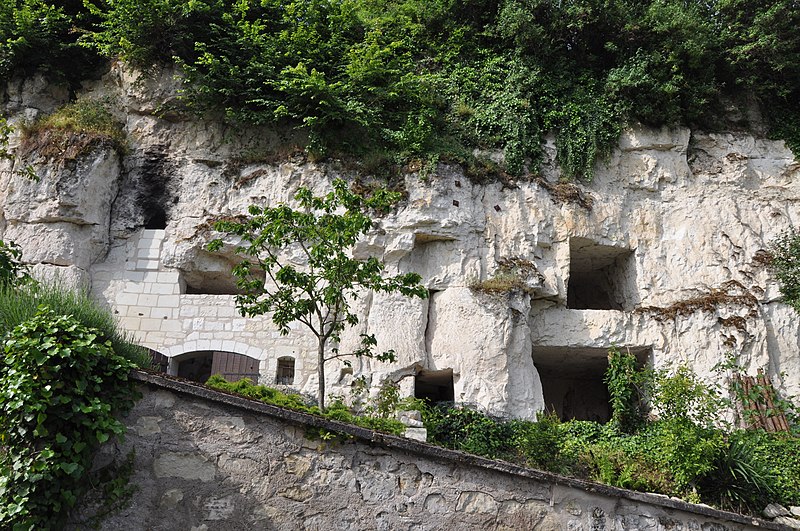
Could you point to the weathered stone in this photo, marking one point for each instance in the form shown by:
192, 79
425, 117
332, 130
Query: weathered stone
388, 482
296, 493
793, 523
476, 502
672, 215
184, 466
146, 426
794, 510
171, 498
219, 508
773, 510
416, 434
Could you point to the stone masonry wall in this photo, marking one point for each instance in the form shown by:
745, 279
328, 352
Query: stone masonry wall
206, 460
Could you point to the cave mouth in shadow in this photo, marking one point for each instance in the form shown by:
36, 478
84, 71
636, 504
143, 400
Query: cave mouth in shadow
572, 380
434, 386
601, 277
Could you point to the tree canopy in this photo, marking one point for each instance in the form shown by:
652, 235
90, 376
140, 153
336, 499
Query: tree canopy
318, 289
436, 79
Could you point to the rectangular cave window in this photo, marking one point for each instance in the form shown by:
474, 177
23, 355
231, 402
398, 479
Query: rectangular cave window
434, 386
572, 380
601, 277
209, 283
285, 373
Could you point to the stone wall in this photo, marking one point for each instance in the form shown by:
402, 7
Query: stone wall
206, 461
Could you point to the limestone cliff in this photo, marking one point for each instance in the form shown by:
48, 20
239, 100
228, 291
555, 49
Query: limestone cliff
660, 253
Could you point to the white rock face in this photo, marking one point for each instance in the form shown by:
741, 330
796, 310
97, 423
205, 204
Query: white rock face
659, 253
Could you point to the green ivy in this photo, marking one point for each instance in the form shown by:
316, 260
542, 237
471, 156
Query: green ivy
785, 264
61, 388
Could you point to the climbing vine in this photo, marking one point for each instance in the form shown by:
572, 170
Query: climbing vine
61, 387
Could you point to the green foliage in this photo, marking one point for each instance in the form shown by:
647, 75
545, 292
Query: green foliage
739, 480
404, 79
686, 452
21, 304
625, 383
72, 130
336, 411
13, 272
61, 387
318, 293
785, 264
388, 399
779, 454
681, 396
468, 430
36, 34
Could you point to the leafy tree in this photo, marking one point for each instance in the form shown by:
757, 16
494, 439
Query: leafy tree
12, 271
38, 34
317, 293
785, 251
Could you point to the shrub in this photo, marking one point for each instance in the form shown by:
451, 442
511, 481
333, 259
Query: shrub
37, 34
468, 430
13, 271
785, 264
61, 387
739, 481
19, 305
626, 388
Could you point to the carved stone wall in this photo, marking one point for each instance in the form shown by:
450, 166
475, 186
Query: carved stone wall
661, 250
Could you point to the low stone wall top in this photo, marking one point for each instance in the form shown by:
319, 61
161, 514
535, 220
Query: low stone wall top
207, 460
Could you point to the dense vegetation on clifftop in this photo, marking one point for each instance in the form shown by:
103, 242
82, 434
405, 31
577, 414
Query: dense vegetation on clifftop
396, 80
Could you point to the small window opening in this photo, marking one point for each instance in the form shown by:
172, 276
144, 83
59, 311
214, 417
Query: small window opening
434, 386
572, 380
285, 374
212, 274
601, 277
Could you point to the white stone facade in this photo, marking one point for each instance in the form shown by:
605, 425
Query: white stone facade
660, 253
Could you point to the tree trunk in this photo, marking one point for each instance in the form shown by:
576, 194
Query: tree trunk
321, 371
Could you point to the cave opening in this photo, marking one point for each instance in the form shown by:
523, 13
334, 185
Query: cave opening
434, 386
601, 277
572, 380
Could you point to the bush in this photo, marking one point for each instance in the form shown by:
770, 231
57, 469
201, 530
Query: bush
61, 387
468, 430
19, 305
37, 34
13, 272
785, 264
739, 480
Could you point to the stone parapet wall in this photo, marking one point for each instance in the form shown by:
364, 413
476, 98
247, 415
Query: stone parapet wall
205, 460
